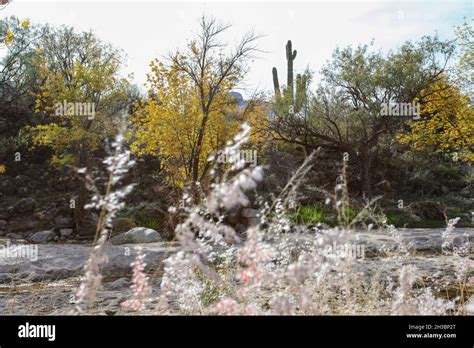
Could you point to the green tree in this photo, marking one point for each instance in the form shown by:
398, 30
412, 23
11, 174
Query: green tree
79, 98
344, 113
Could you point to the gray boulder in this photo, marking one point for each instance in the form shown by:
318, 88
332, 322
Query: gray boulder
137, 235
65, 232
62, 222
119, 284
42, 237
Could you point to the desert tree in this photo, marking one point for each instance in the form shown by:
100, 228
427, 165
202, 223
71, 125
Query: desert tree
344, 114
76, 69
191, 112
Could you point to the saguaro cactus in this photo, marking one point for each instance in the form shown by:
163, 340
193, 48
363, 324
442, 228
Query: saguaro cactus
301, 81
276, 84
290, 57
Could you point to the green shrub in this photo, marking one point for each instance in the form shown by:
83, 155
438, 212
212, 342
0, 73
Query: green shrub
308, 215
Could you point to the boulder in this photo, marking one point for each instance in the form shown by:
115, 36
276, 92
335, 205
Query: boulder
61, 261
62, 222
13, 236
119, 284
42, 237
65, 232
137, 235
24, 206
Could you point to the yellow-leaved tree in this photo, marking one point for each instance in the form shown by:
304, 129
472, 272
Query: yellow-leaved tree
446, 124
191, 113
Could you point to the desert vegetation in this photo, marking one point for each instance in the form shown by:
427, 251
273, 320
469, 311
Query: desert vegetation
343, 191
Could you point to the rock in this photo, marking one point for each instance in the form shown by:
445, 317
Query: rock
137, 235
240, 228
22, 180
469, 306
42, 237
89, 225
119, 284
7, 187
42, 216
13, 236
23, 191
62, 222
25, 205
61, 261
65, 232
3, 125
3, 224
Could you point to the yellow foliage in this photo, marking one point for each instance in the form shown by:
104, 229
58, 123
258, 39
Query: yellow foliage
446, 125
168, 124
9, 38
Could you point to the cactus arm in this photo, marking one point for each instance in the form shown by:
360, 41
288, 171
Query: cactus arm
276, 84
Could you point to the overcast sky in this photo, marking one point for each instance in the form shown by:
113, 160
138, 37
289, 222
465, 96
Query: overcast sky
149, 29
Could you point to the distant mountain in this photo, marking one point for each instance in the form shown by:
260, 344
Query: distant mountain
240, 99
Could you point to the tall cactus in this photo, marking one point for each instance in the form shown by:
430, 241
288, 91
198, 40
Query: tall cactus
290, 57
276, 84
301, 81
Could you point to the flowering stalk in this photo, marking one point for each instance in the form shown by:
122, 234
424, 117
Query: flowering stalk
118, 164
140, 288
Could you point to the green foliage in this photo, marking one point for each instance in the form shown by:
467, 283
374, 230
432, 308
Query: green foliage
143, 215
308, 215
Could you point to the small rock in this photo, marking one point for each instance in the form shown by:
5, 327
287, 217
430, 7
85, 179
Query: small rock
42, 237
62, 222
25, 205
65, 232
137, 235
3, 224
42, 216
7, 187
240, 228
13, 236
469, 306
119, 284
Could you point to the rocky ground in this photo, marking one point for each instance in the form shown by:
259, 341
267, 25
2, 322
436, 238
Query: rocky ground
45, 283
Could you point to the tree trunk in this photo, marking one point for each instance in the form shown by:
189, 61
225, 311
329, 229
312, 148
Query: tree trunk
365, 170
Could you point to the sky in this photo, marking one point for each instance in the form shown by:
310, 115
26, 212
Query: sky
145, 30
